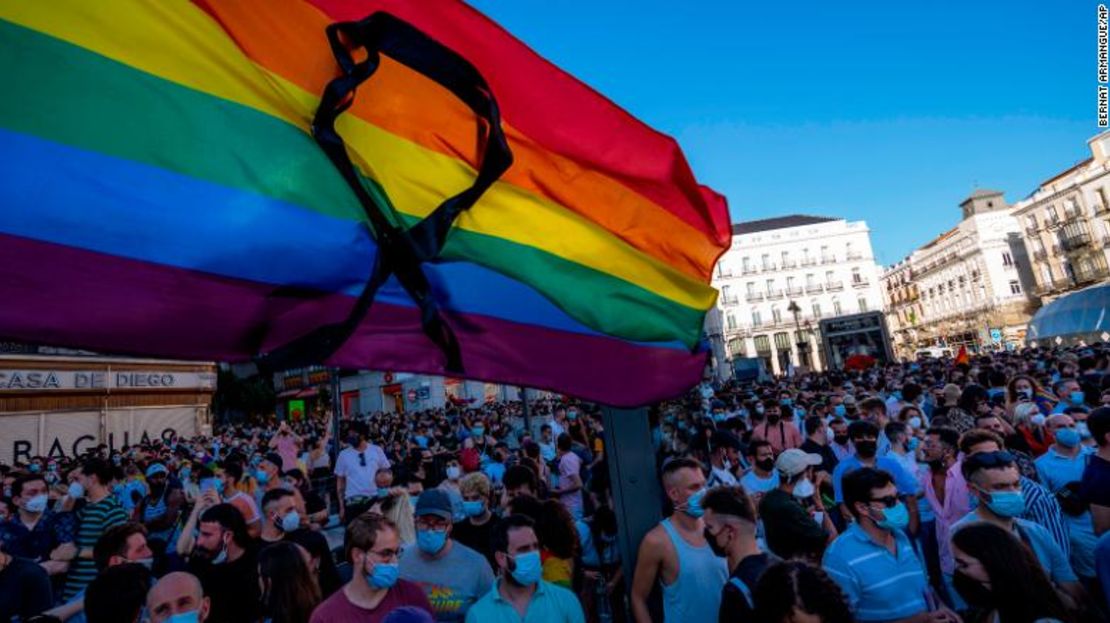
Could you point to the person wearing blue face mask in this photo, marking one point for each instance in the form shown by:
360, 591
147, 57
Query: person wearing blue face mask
178, 598
1066, 458
452, 575
993, 478
520, 594
475, 531
1069, 393
676, 555
892, 586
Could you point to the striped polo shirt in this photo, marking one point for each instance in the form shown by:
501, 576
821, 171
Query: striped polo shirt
92, 521
880, 586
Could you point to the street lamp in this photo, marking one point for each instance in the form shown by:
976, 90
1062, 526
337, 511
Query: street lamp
803, 345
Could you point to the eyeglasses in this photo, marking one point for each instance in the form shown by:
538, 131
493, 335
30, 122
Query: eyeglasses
987, 460
889, 501
385, 555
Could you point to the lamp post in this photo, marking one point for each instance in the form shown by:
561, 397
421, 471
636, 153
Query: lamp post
802, 344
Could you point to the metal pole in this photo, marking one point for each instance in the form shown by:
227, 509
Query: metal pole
336, 413
524, 410
637, 494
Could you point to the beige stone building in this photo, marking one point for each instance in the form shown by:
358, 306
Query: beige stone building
1066, 225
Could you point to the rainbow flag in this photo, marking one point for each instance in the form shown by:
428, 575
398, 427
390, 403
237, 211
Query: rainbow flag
163, 194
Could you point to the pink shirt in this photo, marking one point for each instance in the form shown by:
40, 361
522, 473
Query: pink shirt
782, 436
339, 609
286, 446
957, 503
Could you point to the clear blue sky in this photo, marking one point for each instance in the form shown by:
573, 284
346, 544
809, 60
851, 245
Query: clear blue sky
889, 112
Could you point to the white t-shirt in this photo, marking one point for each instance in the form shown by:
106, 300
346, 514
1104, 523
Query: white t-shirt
360, 479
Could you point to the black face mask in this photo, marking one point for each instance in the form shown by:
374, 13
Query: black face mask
866, 449
973, 591
841, 439
766, 464
716, 549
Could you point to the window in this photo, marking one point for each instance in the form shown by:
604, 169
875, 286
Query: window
736, 347
746, 264
766, 260
1046, 274
730, 321
762, 344
829, 276
785, 258
770, 286
809, 280
1007, 260
1015, 287
725, 295
862, 304
757, 320
776, 315
836, 307
790, 283
816, 309
824, 252
856, 276
749, 288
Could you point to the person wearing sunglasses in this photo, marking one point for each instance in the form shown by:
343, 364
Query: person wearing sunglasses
993, 479
355, 469
873, 560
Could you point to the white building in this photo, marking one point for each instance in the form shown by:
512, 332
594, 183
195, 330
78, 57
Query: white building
970, 286
1066, 222
824, 266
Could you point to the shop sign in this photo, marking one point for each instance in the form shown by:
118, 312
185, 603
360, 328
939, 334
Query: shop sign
62, 380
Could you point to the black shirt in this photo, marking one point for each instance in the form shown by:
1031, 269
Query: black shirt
476, 538
24, 590
790, 529
1095, 484
734, 604
828, 457
232, 587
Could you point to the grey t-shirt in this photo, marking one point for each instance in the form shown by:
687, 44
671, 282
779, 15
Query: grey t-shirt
452, 583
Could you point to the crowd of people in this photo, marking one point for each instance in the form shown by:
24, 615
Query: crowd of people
928, 491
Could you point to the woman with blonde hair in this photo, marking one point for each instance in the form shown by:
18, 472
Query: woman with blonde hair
1030, 434
398, 509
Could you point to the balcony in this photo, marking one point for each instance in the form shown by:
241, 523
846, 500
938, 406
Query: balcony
1040, 255
1057, 250
851, 256
788, 264
769, 267
774, 295
754, 297
1052, 222
748, 270
1032, 230
1099, 208
828, 259
794, 291
814, 288
809, 261
860, 283
1091, 273
1056, 285
1074, 239
728, 301
834, 286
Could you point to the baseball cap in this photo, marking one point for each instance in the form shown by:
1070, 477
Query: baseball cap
157, 468
721, 439
794, 461
434, 502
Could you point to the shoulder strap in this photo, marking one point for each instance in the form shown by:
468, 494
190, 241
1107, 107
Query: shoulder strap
743, 588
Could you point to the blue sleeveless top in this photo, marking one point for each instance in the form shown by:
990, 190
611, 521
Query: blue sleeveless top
695, 595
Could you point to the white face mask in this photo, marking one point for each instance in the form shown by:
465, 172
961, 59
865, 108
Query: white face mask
804, 489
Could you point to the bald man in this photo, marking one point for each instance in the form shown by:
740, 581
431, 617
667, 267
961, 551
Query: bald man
177, 593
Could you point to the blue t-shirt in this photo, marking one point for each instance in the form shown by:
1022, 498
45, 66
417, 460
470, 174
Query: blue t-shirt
880, 586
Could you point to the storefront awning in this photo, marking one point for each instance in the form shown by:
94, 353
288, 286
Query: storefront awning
289, 393
308, 392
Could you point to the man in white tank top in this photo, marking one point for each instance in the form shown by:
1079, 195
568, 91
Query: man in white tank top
675, 554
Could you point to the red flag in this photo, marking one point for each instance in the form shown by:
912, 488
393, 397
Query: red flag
962, 357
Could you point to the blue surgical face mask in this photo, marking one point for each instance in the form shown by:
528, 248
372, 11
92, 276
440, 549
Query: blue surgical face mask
528, 568
912, 444
290, 522
473, 508
787, 402
261, 476
896, 518
192, 616
572, 415
1076, 397
840, 410
431, 541
478, 431
1084, 432
915, 422
693, 504
37, 504
383, 576
1006, 504
1067, 437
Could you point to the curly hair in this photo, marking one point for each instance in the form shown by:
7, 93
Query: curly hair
796, 584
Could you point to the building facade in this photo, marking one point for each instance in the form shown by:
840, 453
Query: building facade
970, 286
1066, 225
779, 278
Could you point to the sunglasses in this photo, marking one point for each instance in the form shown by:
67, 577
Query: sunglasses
889, 501
1001, 458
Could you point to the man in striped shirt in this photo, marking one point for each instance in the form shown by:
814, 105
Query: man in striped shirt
101, 512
